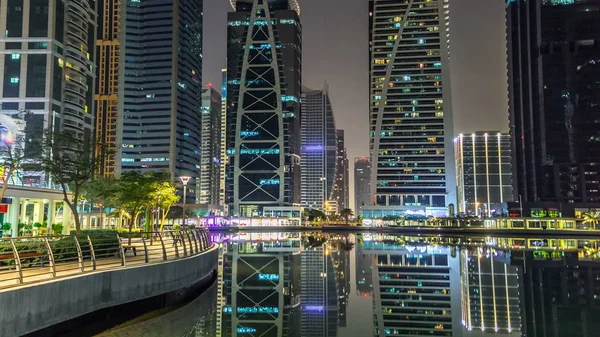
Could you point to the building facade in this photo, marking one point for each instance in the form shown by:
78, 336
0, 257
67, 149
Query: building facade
48, 67
161, 58
263, 96
319, 149
554, 81
362, 183
483, 173
341, 189
108, 51
410, 118
408, 285
490, 292
223, 155
209, 184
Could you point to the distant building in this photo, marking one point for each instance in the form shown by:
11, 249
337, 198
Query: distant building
223, 154
319, 149
107, 83
362, 183
341, 189
554, 81
264, 69
483, 172
209, 184
161, 98
410, 114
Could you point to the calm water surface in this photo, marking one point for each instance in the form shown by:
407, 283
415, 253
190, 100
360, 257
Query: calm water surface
311, 284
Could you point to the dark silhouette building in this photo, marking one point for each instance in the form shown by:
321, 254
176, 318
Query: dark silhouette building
554, 98
263, 112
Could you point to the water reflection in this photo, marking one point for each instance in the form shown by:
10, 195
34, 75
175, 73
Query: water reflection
310, 284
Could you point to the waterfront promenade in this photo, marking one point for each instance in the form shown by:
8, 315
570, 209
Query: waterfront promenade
51, 280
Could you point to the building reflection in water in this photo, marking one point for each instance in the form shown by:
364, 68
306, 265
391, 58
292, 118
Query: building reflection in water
298, 284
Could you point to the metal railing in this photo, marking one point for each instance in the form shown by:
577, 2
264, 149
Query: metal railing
26, 260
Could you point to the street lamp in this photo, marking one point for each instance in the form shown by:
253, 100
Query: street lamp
184, 181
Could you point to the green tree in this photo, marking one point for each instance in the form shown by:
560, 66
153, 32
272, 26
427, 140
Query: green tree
346, 213
137, 194
103, 191
68, 160
13, 156
165, 196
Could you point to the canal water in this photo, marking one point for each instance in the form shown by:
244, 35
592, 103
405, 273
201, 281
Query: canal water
313, 284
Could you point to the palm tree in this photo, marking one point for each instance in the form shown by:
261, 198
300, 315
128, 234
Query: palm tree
591, 218
346, 213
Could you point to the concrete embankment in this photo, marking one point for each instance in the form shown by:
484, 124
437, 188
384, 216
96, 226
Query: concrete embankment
33, 307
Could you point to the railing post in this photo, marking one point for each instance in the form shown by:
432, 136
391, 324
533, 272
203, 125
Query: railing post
145, 249
92, 253
17, 260
162, 243
79, 253
183, 243
187, 233
50, 257
122, 252
195, 237
175, 244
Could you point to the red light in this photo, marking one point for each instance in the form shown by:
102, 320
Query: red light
210, 85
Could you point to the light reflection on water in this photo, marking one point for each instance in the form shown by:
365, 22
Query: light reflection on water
312, 284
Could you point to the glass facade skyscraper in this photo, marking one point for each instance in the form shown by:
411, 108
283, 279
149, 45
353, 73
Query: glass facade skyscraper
554, 98
263, 96
319, 149
159, 129
410, 110
210, 167
48, 67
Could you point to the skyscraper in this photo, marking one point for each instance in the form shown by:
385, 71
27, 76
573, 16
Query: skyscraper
341, 188
161, 57
48, 66
483, 172
210, 149
263, 96
319, 149
223, 153
410, 111
107, 83
554, 81
362, 183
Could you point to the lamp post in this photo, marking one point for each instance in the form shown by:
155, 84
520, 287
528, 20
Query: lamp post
184, 181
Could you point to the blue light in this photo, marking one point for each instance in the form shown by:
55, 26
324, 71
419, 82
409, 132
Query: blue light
269, 182
261, 310
247, 133
268, 277
244, 330
313, 308
287, 98
313, 148
259, 151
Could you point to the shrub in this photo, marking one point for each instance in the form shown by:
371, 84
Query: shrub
57, 228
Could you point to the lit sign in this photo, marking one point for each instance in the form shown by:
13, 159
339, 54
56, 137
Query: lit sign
268, 277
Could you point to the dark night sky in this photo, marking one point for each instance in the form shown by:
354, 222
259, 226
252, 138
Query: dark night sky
335, 49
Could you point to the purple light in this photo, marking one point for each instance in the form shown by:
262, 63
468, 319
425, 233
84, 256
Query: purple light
313, 148
313, 307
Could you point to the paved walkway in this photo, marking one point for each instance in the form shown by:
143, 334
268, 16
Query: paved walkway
36, 272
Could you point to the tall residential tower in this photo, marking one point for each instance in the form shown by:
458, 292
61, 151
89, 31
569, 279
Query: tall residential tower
210, 149
263, 96
362, 183
410, 112
161, 58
